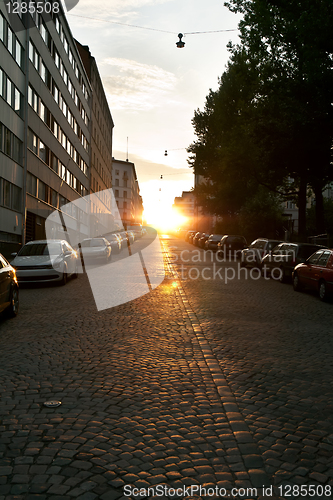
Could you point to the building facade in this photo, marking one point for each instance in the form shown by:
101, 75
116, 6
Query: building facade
101, 126
127, 192
45, 121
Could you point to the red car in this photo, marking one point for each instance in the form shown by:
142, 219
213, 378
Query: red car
315, 273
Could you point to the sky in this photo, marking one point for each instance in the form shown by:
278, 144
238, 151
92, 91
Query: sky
153, 87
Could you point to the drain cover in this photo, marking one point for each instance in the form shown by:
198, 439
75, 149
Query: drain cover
52, 404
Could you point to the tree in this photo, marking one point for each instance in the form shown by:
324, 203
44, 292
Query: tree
291, 43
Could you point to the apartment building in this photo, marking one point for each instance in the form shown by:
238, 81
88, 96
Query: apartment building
45, 114
101, 126
127, 192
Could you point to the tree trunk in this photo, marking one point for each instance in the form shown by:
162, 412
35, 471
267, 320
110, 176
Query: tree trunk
302, 209
320, 216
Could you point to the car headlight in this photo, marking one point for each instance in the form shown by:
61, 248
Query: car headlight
57, 264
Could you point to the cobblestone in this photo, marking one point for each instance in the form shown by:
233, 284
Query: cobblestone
199, 383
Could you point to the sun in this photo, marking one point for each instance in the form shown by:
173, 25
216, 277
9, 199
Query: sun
165, 218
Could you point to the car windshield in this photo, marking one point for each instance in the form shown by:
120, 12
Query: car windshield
97, 243
40, 249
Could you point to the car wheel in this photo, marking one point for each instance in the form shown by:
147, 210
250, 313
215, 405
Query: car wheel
296, 283
64, 277
14, 303
323, 295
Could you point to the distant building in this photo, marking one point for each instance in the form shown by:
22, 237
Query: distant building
126, 191
185, 205
45, 115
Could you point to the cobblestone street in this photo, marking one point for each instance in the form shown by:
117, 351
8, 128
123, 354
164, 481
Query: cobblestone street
198, 383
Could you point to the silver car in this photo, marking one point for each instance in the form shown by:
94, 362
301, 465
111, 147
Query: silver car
45, 260
95, 250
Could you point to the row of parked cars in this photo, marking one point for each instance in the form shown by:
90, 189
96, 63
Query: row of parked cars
307, 265
55, 261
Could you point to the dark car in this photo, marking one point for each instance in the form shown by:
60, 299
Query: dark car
196, 238
212, 241
9, 292
203, 239
281, 262
316, 273
231, 246
253, 255
189, 233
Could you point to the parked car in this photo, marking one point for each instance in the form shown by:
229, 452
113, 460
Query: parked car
253, 255
124, 239
231, 246
212, 241
196, 238
45, 260
316, 273
115, 242
95, 250
9, 290
203, 239
136, 229
191, 236
285, 256
131, 237
188, 234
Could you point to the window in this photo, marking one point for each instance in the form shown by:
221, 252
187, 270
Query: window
17, 150
125, 194
54, 198
6, 193
117, 193
9, 92
55, 92
116, 182
323, 259
42, 151
55, 163
16, 198
19, 53
17, 101
42, 195
8, 142
313, 259
2, 31
10, 38
56, 58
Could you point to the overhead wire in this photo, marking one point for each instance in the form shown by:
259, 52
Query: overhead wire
147, 28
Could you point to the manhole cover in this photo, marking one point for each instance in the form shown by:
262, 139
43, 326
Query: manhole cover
52, 404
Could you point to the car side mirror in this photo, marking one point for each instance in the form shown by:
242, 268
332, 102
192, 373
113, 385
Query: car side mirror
13, 254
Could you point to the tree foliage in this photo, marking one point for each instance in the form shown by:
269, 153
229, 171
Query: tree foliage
271, 120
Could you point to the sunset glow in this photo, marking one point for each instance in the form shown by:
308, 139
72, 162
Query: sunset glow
164, 218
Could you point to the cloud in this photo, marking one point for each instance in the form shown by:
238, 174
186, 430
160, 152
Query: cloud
117, 6
132, 85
